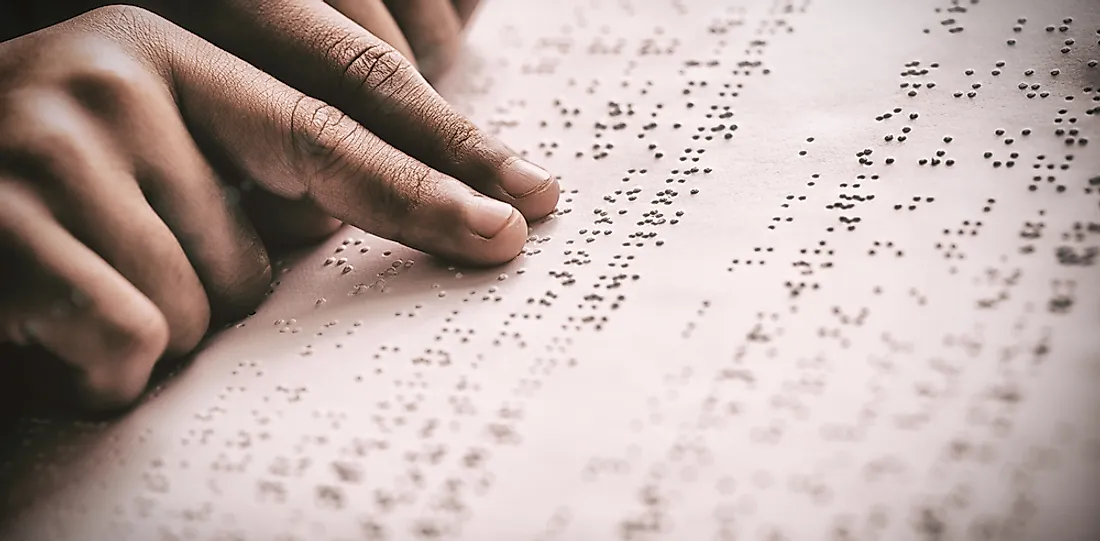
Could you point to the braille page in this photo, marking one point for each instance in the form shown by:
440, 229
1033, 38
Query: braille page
821, 270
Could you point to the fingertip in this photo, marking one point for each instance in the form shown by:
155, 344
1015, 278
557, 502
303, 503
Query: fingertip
503, 244
540, 203
533, 190
488, 217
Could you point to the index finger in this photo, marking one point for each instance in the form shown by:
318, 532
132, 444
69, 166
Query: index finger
312, 47
302, 148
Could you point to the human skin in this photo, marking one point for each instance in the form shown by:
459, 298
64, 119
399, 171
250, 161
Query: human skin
426, 32
145, 172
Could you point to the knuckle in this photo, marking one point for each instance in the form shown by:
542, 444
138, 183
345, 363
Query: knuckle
317, 126
133, 345
42, 138
419, 182
136, 338
409, 188
461, 137
102, 77
144, 34
320, 137
376, 65
122, 16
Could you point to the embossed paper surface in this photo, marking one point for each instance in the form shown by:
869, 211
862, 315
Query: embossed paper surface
822, 269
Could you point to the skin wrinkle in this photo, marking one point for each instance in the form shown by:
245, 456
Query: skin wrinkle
349, 44
281, 146
387, 196
290, 158
375, 17
338, 147
143, 33
361, 48
323, 151
418, 184
459, 136
386, 99
391, 65
318, 142
336, 168
422, 104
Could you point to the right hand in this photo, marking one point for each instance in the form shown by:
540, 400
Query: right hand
124, 142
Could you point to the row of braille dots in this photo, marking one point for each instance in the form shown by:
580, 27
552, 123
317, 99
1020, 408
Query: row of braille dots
887, 246
951, 23
795, 289
341, 262
1039, 164
974, 87
1073, 134
913, 70
968, 228
853, 200
1031, 88
937, 159
603, 150
1070, 140
849, 221
1094, 110
746, 261
689, 328
792, 197
1050, 28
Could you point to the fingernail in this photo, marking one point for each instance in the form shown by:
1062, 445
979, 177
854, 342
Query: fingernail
522, 177
489, 216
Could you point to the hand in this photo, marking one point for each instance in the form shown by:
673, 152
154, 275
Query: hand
119, 232
426, 32
313, 47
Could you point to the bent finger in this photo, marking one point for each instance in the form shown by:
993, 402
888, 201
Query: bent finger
94, 195
203, 214
67, 299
